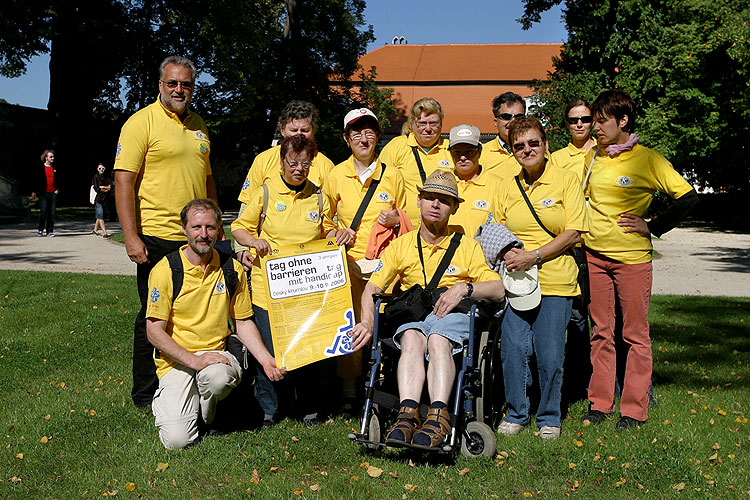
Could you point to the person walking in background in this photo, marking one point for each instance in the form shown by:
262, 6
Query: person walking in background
102, 185
48, 190
162, 163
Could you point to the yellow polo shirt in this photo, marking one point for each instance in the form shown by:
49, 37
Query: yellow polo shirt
497, 160
571, 158
291, 218
398, 153
268, 164
476, 209
197, 320
626, 183
558, 200
171, 160
401, 260
345, 193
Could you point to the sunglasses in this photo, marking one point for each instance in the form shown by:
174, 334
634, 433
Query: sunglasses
172, 84
572, 120
510, 116
520, 146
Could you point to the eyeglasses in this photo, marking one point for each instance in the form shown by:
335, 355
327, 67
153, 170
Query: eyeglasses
367, 134
510, 116
305, 165
520, 146
423, 124
572, 120
172, 84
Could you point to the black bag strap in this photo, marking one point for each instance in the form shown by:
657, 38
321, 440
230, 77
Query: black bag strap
175, 264
444, 262
366, 200
531, 207
264, 210
419, 163
231, 279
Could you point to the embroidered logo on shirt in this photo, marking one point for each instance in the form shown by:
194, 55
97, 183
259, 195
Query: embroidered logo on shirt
444, 163
199, 135
119, 149
280, 206
624, 181
384, 196
480, 204
203, 148
154, 295
547, 202
246, 184
452, 270
220, 287
380, 266
312, 216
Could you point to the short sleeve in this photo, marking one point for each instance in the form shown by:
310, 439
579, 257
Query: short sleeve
132, 145
241, 306
159, 299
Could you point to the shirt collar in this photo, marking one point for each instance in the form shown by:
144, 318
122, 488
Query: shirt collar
440, 144
174, 115
188, 266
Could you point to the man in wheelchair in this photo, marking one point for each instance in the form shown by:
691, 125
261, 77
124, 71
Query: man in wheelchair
412, 259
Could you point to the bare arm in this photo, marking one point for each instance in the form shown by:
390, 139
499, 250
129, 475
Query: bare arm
159, 338
243, 237
125, 203
520, 260
249, 335
487, 290
362, 331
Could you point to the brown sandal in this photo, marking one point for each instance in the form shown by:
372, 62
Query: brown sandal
408, 421
433, 432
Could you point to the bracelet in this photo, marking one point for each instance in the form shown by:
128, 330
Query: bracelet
538, 257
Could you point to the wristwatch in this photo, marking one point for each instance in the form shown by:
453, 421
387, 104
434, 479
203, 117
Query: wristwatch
538, 257
469, 289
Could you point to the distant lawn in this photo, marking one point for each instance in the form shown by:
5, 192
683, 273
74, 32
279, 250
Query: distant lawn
227, 231
70, 430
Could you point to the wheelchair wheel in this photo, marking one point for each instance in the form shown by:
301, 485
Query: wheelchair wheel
481, 440
487, 402
374, 430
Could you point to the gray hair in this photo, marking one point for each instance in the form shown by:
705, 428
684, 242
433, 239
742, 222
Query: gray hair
298, 110
179, 61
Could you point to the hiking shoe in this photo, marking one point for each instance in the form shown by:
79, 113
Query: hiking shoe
40, 233
594, 417
626, 423
509, 428
549, 432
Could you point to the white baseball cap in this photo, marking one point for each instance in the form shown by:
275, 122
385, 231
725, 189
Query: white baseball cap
522, 288
355, 114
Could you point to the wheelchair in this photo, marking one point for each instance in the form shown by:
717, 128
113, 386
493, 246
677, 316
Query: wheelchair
477, 395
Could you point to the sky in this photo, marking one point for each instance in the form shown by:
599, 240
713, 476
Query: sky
436, 21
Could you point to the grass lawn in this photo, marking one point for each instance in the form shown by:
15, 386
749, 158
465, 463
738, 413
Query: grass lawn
70, 431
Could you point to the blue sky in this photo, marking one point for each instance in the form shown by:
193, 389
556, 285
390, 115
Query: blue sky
436, 21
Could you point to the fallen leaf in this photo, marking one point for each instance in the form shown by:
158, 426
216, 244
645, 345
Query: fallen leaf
62, 384
374, 471
579, 443
715, 456
298, 491
47, 417
716, 446
274, 468
15, 479
314, 487
503, 454
572, 465
44, 440
678, 486
19, 455
394, 475
463, 471
295, 439
129, 486
410, 487
161, 466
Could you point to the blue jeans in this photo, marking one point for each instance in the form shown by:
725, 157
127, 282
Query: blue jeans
265, 390
540, 331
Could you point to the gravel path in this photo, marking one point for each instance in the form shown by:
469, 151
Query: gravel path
692, 261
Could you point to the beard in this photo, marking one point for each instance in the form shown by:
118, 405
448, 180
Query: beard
201, 249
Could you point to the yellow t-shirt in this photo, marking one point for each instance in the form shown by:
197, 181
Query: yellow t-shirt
558, 200
268, 164
345, 193
497, 160
401, 260
197, 320
291, 218
171, 160
626, 183
477, 206
398, 153
571, 158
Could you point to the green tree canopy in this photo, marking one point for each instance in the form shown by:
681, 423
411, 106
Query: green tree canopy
685, 62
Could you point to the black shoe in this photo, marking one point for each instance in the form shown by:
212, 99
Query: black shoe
312, 422
626, 423
267, 423
594, 416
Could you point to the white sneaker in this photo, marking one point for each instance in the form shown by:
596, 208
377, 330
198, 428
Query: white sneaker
549, 432
509, 428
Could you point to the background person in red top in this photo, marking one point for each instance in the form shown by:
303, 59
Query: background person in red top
47, 195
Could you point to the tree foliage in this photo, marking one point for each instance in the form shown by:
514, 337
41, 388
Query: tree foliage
685, 62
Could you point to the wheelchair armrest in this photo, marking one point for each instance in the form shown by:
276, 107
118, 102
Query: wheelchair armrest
383, 297
488, 309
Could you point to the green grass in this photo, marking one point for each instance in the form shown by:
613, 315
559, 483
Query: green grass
227, 231
65, 349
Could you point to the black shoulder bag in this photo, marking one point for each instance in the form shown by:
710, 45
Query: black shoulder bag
417, 302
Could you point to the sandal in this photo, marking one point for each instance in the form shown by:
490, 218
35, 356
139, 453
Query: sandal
433, 432
408, 421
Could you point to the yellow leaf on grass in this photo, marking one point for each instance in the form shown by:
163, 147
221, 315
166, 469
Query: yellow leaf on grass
295, 439
314, 487
274, 468
572, 465
503, 454
463, 471
298, 491
579, 443
374, 471
715, 456
129, 486
47, 416
62, 384
527, 494
44, 440
716, 446
19, 455
410, 487
161, 466
678, 486
722, 413
667, 422
394, 475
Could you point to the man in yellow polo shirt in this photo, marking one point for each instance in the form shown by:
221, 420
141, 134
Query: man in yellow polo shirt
189, 330
160, 165
442, 332
297, 118
475, 184
496, 154
420, 153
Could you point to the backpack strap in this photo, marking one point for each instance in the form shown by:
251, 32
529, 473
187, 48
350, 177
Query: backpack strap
175, 264
263, 212
320, 205
419, 163
231, 279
